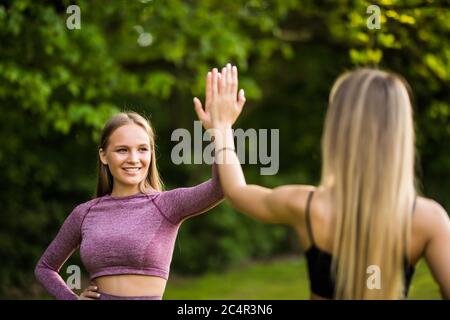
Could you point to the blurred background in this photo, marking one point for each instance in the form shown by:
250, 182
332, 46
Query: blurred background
58, 86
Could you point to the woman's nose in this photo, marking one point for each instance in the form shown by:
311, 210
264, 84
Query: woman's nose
134, 157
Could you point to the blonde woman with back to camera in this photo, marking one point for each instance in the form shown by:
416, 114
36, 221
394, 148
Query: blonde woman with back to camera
365, 211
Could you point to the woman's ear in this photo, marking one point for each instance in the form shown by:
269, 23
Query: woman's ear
102, 155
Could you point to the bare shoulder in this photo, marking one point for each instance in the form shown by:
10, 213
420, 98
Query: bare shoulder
297, 196
430, 216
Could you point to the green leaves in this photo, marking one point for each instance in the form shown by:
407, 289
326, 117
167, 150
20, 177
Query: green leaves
366, 57
59, 86
439, 65
159, 84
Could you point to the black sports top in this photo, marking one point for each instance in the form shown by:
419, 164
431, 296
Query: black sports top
319, 264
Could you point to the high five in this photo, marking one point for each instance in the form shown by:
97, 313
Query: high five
365, 211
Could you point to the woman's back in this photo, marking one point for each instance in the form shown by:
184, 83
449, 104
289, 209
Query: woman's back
428, 223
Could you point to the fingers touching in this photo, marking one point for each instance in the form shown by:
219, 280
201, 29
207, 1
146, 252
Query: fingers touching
226, 82
221, 89
214, 82
233, 79
201, 114
241, 99
209, 92
223, 82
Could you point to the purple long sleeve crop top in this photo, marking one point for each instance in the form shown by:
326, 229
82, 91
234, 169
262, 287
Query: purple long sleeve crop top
124, 235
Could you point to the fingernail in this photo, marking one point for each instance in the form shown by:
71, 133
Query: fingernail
98, 295
95, 288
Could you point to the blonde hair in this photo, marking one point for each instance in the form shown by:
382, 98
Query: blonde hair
368, 167
105, 179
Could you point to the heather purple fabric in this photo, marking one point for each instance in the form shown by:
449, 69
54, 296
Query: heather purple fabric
124, 235
105, 296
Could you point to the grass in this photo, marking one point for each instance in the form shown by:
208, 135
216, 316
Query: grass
281, 279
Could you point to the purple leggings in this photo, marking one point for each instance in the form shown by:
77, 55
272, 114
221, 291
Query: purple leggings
105, 296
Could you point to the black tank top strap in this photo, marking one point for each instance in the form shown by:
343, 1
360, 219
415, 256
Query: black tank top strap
406, 259
308, 217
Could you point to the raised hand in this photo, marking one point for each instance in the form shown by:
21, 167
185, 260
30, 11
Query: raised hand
204, 115
226, 104
223, 104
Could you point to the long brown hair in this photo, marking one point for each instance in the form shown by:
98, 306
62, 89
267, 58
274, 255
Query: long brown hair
105, 179
368, 166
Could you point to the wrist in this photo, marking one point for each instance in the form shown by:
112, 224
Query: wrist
222, 125
223, 136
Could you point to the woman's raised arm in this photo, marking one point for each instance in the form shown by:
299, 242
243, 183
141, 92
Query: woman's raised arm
224, 106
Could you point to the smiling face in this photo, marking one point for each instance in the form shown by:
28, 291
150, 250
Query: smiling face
128, 157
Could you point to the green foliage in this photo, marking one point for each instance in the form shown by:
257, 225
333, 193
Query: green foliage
58, 86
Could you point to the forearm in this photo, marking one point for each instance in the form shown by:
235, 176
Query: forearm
53, 283
209, 194
221, 112
248, 199
230, 170
182, 203
57, 253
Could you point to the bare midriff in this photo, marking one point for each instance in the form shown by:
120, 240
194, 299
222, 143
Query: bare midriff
127, 285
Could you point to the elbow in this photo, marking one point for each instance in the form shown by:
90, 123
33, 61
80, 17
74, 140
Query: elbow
231, 196
38, 271
237, 195
234, 200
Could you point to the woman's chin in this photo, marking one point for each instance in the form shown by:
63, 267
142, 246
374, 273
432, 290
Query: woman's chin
131, 181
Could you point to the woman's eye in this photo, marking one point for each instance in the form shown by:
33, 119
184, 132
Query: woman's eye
144, 149
121, 150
